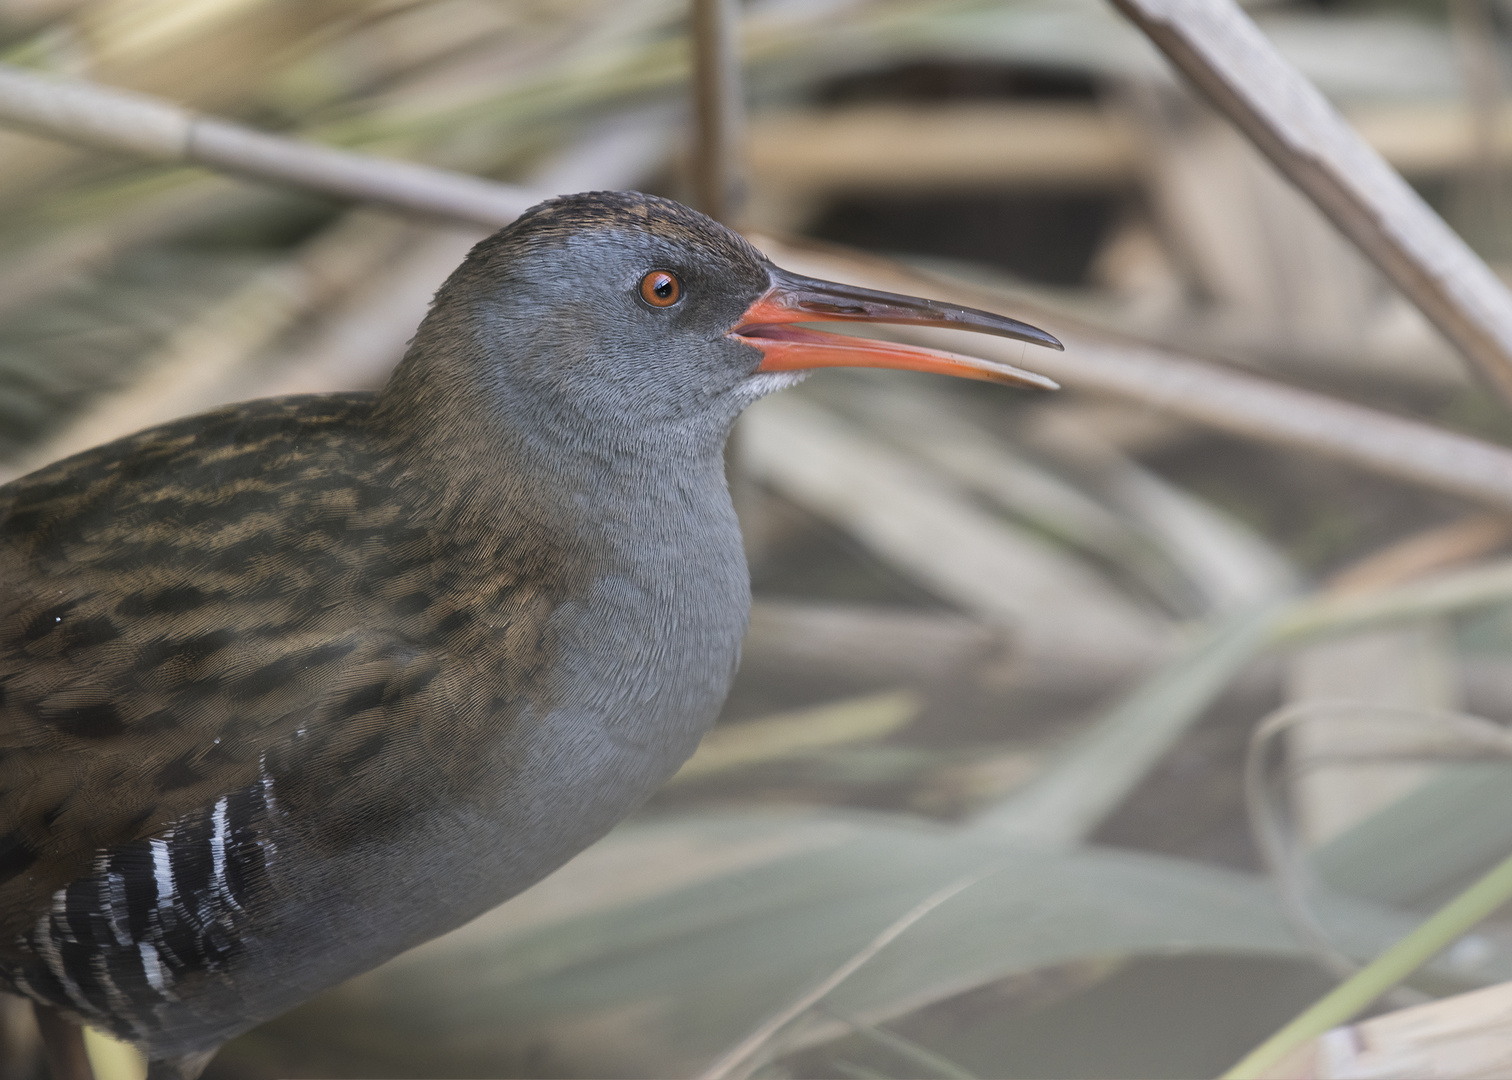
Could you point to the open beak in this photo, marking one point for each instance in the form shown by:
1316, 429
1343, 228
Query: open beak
768, 325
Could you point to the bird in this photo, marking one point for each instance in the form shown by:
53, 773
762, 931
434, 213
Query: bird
293, 685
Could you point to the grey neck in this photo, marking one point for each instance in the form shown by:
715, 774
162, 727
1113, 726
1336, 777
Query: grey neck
494, 445
640, 502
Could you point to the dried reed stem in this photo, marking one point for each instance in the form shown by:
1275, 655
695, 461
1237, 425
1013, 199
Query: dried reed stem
106, 119
718, 108
190, 370
1353, 996
1272, 412
1231, 62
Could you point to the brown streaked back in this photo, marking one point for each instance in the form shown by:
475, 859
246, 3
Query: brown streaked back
259, 588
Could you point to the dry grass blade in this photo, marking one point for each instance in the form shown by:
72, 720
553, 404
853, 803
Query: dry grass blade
1396, 735
187, 372
361, 338
1180, 549
1379, 670
1435, 549
29, 274
742, 1058
1259, 409
1464, 1037
115, 120
920, 1057
1096, 773
1221, 51
1453, 826
1352, 997
870, 643
1231, 565
916, 519
933, 429
1477, 586
732, 746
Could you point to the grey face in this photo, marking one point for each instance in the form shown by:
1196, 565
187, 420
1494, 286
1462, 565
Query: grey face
620, 325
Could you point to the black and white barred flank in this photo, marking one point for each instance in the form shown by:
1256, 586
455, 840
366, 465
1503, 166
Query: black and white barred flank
150, 915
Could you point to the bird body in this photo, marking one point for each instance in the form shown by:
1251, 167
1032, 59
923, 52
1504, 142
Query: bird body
411, 678
294, 685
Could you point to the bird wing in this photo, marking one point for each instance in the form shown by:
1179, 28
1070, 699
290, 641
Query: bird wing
188, 609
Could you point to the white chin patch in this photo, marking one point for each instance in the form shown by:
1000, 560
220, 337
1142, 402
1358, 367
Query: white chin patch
769, 382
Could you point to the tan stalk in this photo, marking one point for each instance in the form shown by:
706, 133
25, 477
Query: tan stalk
718, 111
106, 119
184, 374
1235, 66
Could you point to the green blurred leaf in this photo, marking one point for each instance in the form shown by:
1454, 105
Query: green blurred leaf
1097, 772
1453, 825
668, 942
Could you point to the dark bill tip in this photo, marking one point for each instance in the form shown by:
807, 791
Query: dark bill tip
806, 299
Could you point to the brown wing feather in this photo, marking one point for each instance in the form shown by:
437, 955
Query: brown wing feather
179, 606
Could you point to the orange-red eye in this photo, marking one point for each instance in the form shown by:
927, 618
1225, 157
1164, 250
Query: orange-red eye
660, 289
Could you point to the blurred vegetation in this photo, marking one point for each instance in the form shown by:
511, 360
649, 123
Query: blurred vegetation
1058, 712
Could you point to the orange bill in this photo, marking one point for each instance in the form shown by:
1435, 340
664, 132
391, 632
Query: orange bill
792, 298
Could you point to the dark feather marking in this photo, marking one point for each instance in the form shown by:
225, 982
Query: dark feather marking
416, 683
367, 750
170, 601
190, 652
143, 815
87, 633
79, 911
178, 773
412, 604
47, 985
127, 554
76, 965
98, 721
45, 622
189, 851
133, 863
270, 677
234, 557
362, 699
245, 867
16, 856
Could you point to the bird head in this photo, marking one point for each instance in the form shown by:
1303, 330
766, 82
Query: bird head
636, 317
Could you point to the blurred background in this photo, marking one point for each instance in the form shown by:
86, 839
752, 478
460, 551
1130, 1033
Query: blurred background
1010, 644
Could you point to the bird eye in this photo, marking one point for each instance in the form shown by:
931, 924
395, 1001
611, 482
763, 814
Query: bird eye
660, 289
